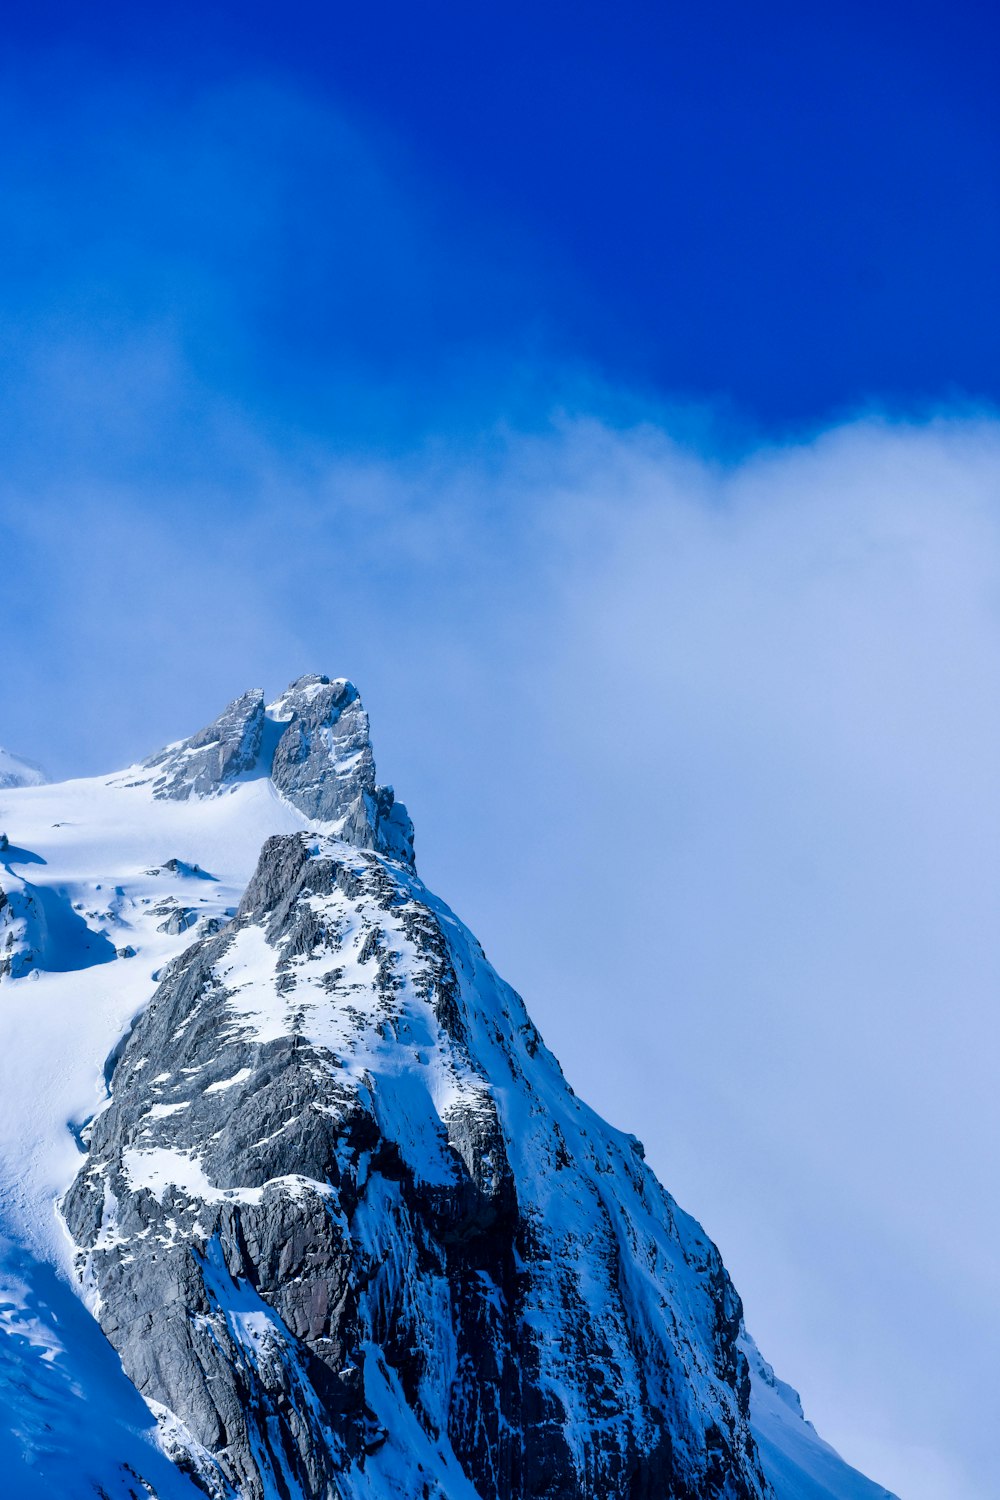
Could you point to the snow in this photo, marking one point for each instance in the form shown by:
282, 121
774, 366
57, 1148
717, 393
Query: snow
92, 854
799, 1463
87, 864
159, 1168
97, 848
221, 1084
69, 1420
17, 772
162, 1111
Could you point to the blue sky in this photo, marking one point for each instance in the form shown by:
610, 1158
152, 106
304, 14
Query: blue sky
791, 210
612, 394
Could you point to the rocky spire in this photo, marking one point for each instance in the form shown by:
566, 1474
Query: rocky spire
323, 764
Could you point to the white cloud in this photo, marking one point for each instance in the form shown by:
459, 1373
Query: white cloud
796, 719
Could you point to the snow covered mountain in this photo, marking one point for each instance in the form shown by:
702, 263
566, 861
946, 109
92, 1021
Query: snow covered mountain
17, 772
265, 1105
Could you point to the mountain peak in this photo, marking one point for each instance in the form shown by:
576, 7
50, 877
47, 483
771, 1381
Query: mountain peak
310, 685
313, 742
346, 1224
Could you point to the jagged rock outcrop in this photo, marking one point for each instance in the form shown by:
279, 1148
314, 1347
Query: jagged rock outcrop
353, 1234
323, 764
313, 742
216, 755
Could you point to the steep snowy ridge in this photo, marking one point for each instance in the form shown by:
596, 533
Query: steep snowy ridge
340, 1215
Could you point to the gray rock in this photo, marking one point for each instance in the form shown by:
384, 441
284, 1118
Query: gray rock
179, 920
344, 1218
215, 756
323, 764
314, 743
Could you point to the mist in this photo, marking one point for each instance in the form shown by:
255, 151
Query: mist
704, 749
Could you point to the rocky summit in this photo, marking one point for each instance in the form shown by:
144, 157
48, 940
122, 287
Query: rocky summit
313, 743
343, 1220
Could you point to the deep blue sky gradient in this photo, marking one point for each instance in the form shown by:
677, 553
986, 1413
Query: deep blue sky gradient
794, 210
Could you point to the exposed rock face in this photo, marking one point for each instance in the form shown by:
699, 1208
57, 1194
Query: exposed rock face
323, 764
314, 744
216, 755
353, 1235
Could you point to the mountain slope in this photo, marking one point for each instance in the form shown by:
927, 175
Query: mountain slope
342, 1217
17, 772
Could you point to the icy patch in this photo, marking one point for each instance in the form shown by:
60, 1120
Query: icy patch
161, 1111
229, 1083
154, 1169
